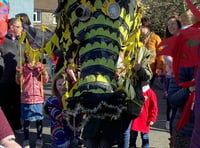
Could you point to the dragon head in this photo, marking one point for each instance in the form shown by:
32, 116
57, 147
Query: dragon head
95, 32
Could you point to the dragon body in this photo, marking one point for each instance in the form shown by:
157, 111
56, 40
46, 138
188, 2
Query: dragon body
93, 33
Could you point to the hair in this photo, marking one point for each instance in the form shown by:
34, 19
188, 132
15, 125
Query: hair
187, 18
62, 75
11, 21
167, 33
146, 21
24, 18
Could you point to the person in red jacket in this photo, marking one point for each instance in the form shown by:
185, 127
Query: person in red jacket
32, 75
146, 119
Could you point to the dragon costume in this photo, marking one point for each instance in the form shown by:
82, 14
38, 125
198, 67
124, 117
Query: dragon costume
184, 48
92, 34
4, 9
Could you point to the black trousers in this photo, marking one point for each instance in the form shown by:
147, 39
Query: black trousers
10, 104
39, 127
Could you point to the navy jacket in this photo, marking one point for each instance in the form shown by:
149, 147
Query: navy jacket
178, 98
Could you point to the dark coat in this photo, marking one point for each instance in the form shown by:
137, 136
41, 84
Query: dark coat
11, 58
178, 97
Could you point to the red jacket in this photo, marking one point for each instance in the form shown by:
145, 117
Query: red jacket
32, 88
149, 112
54, 59
5, 129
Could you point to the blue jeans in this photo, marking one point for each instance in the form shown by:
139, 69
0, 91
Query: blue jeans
127, 136
144, 137
125, 133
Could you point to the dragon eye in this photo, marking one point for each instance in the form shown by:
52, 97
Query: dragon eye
83, 12
113, 10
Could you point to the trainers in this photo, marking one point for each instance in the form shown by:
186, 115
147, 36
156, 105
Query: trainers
39, 143
167, 125
26, 144
19, 131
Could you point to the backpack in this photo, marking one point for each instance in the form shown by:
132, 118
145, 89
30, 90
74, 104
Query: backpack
133, 85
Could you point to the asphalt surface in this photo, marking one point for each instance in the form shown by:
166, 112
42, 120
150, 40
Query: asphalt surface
158, 134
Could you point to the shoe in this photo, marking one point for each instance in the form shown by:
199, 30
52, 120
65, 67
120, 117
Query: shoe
19, 131
167, 125
25, 144
39, 143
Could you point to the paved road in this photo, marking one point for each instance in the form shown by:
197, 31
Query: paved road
158, 135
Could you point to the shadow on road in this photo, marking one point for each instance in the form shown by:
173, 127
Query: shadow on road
33, 135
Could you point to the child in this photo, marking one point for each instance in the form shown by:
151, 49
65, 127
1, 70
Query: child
31, 76
60, 132
146, 119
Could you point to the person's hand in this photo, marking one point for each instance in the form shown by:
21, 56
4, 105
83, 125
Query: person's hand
44, 71
158, 72
192, 88
150, 123
18, 68
9, 142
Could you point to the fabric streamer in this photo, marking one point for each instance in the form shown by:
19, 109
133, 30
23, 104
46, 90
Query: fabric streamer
4, 10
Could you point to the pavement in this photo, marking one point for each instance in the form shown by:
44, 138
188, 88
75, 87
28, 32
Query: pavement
158, 134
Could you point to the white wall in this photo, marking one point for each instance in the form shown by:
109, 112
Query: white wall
22, 6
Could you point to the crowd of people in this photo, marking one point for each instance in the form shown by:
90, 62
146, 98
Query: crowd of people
21, 83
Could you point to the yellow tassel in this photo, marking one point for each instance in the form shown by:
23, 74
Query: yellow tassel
64, 100
20, 63
44, 28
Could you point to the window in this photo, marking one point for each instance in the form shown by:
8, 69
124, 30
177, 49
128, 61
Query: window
54, 20
37, 16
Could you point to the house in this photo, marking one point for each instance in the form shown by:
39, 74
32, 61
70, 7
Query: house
43, 13
40, 12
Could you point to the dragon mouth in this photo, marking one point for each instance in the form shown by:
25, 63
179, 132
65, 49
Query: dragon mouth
97, 104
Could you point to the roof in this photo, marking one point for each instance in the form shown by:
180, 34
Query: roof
45, 5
